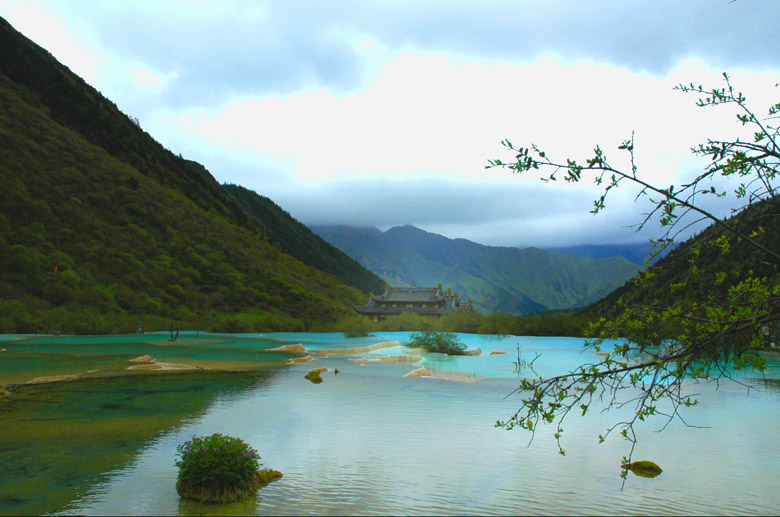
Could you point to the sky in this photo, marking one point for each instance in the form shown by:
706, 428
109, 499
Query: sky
385, 113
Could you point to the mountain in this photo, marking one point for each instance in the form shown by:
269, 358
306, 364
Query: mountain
299, 241
635, 253
498, 279
685, 276
101, 226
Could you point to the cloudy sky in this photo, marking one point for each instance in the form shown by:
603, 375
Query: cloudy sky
384, 113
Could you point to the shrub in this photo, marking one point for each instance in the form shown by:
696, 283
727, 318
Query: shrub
356, 327
442, 342
217, 468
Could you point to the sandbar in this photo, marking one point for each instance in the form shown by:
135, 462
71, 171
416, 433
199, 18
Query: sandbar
447, 376
152, 366
357, 350
300, 360
53, 378
497, 352
289, 348
419, 372
164, 366
389, 359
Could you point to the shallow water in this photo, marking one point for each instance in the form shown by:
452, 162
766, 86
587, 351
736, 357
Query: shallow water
367, 441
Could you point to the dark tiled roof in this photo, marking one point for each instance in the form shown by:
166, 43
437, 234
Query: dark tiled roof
437, 302
410, 294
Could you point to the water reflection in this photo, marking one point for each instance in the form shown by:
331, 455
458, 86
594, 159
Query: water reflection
60, 439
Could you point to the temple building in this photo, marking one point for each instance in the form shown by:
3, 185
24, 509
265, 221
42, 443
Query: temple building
425, 301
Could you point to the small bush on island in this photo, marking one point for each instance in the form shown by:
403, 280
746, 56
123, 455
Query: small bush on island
220, 469
441, 342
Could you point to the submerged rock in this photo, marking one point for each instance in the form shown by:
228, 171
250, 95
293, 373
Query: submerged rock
476, 351
645, 469
289, 348
142, 359
497, 352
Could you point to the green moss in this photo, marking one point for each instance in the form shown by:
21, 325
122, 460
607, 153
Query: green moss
267, 476
314, 376
645, 469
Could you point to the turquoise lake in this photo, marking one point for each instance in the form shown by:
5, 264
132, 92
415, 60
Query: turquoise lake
366, 440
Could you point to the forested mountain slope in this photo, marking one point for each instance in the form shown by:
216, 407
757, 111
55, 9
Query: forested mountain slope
498, 279
100, 226
704, 266
299, 241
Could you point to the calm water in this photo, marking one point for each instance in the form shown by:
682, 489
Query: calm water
365, 441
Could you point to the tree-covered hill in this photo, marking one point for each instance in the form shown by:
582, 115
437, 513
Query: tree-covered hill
684, 276
100, 226
498, 279
300, 242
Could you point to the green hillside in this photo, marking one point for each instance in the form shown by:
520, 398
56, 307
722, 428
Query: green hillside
498, 279
299, 241
685, 276
100, 226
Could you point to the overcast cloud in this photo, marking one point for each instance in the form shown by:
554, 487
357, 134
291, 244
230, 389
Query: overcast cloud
385, 113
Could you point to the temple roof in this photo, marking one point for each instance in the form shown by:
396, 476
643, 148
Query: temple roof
410, 294
437, 301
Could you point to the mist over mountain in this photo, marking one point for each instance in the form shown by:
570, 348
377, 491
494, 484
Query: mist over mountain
497, 279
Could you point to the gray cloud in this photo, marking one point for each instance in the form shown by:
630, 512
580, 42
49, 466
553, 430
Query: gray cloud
293, 45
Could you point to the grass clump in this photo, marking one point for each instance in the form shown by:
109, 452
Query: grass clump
441, 342
220, 469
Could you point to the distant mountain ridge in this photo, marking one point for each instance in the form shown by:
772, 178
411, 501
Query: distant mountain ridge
498, 279
636, 253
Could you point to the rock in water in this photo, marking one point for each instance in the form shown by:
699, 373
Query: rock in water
267, 476
314, 375
645, 469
